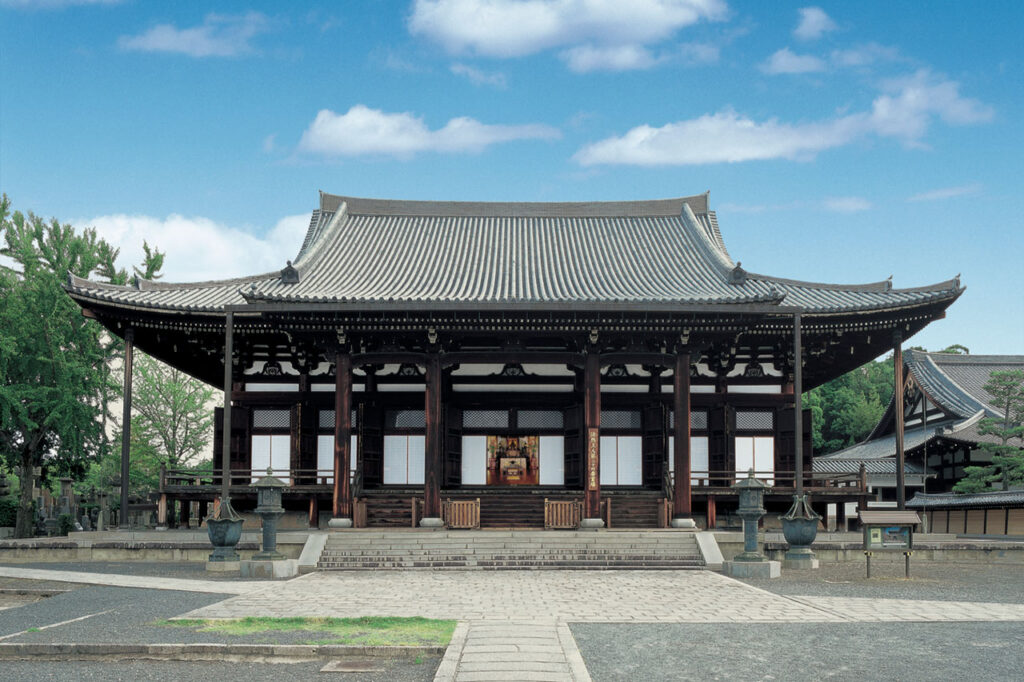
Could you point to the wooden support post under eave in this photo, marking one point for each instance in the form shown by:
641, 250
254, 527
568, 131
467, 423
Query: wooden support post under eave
434, 441
126, 426
798, 408
681, 493
229, 351
897, 406
592, 425
342, 506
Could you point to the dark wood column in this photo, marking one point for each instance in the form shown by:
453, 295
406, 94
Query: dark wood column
798, 408
126, 426
897, 406
224, 510
434, 443
342, 502
592, 425
681, 493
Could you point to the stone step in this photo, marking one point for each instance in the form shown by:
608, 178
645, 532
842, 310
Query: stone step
512, 564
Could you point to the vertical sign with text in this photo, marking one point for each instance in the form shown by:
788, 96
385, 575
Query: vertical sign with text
593, 452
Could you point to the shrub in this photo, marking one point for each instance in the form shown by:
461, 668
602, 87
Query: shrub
8, 511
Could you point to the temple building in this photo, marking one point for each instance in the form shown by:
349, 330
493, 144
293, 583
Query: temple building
944, 403
607, 357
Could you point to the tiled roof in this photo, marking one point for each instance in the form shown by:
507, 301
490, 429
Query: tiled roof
988, 499
956, 382
659, 254
825, 465
882, 447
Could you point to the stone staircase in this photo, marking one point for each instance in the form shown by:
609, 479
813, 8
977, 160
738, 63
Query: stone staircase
510, 550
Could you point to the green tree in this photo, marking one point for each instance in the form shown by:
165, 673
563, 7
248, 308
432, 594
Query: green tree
54, 377
172, 424
844, 410
1007, 467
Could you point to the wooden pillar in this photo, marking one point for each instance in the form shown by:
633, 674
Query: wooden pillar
314, 511
592, 424
342, 500
434, 441
681, 493
126, 425
897, 406
224, 510
712, 512
798, 408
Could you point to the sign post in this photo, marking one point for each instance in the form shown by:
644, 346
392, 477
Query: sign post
889, 531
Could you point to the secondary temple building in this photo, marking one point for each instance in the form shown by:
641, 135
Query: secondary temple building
547, 364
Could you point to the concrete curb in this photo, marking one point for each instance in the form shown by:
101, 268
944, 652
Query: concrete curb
449, 666
254, 653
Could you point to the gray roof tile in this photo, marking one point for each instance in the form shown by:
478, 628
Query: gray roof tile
662, 253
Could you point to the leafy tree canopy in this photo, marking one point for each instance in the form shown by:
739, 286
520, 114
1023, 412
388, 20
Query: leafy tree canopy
1007, 467
54, 377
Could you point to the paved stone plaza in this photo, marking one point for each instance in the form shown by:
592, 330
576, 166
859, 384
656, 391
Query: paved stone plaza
514, 624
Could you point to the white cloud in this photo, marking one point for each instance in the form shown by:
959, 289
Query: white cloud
865, 55
479, 77
219, 35
814, 23
226, 251
270, 143
946, 193
362, 130
514, 28
905, 110
725, 137
786, 61
910, 103
846, 204
587, 58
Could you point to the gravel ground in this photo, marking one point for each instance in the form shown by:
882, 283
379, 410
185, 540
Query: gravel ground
1002, 583
32, 671
847, 651
843, 651
195, 570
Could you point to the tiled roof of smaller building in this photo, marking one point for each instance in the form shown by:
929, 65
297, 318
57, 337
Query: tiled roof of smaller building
987, 499
957, 382
826, 465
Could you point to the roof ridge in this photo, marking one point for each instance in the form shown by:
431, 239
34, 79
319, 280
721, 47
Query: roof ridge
573, 209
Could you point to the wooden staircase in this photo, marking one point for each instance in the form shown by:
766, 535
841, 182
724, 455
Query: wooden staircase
511, 550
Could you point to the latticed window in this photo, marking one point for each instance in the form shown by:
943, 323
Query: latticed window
485, 419
753, 421
327, 420
621, 419
405, 419
271, 419
540, 419
698, 420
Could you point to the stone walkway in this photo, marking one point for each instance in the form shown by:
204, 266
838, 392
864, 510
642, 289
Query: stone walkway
513, 624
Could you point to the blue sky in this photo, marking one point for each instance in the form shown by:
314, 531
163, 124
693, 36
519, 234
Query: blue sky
841, 142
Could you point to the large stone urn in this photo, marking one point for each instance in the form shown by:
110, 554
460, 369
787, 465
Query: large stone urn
800, 527
224, 531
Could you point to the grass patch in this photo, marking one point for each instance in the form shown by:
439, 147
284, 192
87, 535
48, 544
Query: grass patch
368, 631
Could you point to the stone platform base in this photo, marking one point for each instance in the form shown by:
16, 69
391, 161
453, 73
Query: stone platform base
223, 566
279, 568
752, 569
801, 564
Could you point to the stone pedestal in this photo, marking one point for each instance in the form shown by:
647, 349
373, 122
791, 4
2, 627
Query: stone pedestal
431, 522
591, 524
339, 523
223, 566
752, 569
277, 568
799, 561
683, 522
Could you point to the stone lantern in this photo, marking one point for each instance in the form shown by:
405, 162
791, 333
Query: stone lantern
269, 509
751, 563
